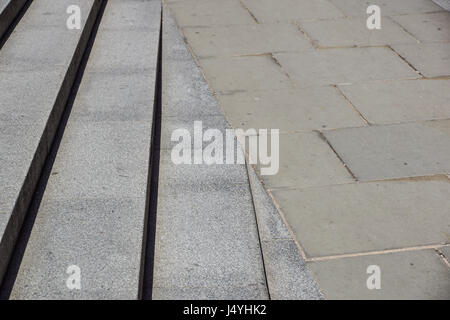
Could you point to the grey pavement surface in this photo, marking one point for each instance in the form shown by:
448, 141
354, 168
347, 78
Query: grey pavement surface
352, 104
36, 75
92, 213
401, 275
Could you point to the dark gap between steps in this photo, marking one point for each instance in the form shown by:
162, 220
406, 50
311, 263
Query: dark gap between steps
148, 256
14, 23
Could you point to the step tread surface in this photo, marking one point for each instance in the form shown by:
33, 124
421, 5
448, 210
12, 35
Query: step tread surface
92, 212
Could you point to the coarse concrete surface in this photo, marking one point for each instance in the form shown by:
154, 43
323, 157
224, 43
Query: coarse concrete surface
36, 75
394, 151
420, 274
93, 211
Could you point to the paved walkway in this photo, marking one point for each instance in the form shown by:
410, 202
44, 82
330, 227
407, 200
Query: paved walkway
365, 136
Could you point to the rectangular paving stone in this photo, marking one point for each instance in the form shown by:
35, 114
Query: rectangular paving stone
301, 109
93, 210
267, 11
336, 66
431, 59
404, 275
244, 73
363, 217
384, 102
430, 27
245, 39
354, 32
388, 7
306, 160
210, 13
394, 151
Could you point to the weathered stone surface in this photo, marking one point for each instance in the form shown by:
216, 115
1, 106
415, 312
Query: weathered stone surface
388, 7
361, 217
209, 13
394, 151
310, 163
430, 27
431, 59
354, 32
383, 102
244, 73
337, 66
245, 40
267, 11
290, 109
404, 275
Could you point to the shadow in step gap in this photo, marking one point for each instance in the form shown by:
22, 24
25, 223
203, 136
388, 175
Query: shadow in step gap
14, 23
148, 255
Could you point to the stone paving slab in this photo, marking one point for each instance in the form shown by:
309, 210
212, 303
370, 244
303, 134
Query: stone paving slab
268, 11
388, 7
244, 40
354, 32
384, 102
290, 110
394, 151
446, 251
244, 73
336, 66
431, 59
310, 163
362, 217
8, 12
34, 108
93, 210
429, 27
210, 13
404, 275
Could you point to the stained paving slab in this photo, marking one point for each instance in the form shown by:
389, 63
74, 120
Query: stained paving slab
374, 216
93, 210
384, 102
403, 275
394, 151
430, 59
336, 66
